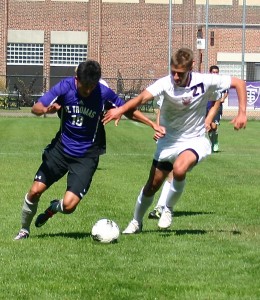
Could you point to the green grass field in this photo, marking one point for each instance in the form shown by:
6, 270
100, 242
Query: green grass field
211, 251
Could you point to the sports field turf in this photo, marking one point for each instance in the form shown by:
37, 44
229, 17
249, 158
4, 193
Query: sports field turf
211, 251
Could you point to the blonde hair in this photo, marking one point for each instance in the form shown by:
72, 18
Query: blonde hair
183, 57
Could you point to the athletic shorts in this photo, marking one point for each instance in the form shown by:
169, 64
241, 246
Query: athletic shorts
168, 151
218, 115
55, 164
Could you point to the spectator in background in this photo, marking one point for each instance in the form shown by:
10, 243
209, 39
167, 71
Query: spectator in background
213, 133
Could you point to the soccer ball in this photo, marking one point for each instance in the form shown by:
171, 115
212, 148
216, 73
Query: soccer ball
105, 231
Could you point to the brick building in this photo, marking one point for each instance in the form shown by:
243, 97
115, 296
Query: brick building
46, 39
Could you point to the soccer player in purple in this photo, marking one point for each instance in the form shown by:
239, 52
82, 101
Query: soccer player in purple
81, 102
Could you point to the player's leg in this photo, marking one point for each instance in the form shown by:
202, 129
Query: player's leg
79, 178
190, 154
186, 160
215, 143
51, 170
145, 198
29, 208
157, 211
212, 133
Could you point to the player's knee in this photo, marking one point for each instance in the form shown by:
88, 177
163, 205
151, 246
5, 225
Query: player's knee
69, 209
34, 194
69, 206
36, 190
70, 202
179, 172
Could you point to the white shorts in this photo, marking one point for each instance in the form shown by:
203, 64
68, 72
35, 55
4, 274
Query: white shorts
169, 151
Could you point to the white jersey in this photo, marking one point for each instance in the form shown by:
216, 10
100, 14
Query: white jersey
183, 108
159, 101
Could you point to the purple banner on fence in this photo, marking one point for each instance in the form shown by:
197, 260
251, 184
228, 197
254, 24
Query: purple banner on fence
253, 95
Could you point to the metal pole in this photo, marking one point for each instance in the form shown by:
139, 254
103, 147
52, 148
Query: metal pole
170, 36
243, 41
206, 37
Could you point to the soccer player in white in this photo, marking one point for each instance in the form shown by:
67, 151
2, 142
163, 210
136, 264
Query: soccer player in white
184, 142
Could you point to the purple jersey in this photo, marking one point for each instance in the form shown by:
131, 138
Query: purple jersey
80, 116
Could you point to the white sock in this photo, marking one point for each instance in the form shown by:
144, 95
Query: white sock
141, 206
164, 193
29, 210
175, 192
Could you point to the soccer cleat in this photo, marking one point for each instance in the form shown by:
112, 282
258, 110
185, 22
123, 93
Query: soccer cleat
23, 234
166, 218
44, 217
133, 227
215, 147
156, 213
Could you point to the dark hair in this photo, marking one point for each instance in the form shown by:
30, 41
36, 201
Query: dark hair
89, 72
183, 57
213, 67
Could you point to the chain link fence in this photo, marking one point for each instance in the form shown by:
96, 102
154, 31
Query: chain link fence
25, 91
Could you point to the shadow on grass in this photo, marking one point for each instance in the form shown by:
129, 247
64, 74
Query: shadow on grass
163, 233
71, 235
169, 232
191, 213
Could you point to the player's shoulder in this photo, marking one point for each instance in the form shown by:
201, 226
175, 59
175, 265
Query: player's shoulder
102, 81
200, 76
164, 81
104, 90
206, 79
166, 78
67, 84
70, 81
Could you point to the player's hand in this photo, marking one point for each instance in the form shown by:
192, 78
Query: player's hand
117, 121
112, 114
53, 108
239, 121
157, 136
207, 125
159, 131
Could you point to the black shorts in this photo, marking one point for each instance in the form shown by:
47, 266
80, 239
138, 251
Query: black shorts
56, 163
163, 165
218, 115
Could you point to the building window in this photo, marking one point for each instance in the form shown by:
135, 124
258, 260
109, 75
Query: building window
24, 53
67, 55
253, 71
257, 72
212, 38
231, 68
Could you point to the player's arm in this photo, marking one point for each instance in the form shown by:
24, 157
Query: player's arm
116, 113
158, 116
138, 116
48, 103
39, 109
156, 135
211, 114
240, 120
224, 96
